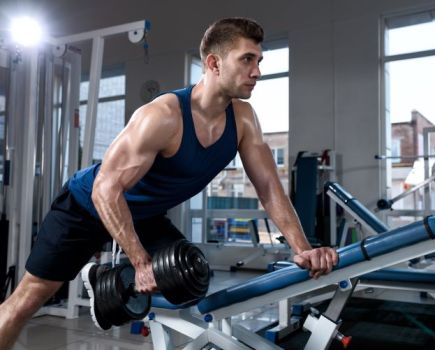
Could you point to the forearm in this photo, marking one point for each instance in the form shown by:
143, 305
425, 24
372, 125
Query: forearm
282, 213
116, 217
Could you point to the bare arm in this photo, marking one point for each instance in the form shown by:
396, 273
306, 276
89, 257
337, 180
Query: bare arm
261, 169
126, 161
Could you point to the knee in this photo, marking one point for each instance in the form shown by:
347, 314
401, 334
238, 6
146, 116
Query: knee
30, 294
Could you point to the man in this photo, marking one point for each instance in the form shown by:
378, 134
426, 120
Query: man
169, 151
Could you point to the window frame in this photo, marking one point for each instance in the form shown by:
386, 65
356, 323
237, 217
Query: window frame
106, 74
199, 217
386, 140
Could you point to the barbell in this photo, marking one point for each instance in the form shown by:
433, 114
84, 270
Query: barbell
181, 272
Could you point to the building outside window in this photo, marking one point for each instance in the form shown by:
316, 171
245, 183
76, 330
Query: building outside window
409, 71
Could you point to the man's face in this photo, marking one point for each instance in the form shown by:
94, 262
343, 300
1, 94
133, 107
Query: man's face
240, 68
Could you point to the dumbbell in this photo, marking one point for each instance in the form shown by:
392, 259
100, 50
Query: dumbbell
181, 272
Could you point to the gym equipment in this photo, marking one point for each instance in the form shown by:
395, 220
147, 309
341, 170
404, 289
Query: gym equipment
383, 204
286, 285
310, 171
382, 157
355, 208
181, 273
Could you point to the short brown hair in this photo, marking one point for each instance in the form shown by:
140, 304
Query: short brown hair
222, 33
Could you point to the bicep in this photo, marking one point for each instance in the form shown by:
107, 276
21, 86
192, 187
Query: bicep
259, 165
256, 155
133, 152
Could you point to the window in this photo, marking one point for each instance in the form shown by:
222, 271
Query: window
409, 70
395, 150
4, 82
231, 189
110, 112
278, 155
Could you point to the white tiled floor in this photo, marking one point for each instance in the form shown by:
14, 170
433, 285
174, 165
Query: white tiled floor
50, 332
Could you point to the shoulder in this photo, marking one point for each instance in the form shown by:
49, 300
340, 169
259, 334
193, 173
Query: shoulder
164, 111
242, 109
246, 118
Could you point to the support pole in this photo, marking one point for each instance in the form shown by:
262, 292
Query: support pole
91, 112
28, 175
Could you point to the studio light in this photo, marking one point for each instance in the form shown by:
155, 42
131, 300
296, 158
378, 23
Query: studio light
26, 31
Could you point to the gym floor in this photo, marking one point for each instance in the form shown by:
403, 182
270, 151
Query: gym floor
372, 323
56, 333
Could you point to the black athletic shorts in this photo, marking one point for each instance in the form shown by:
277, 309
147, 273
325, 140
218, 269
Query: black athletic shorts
69, 236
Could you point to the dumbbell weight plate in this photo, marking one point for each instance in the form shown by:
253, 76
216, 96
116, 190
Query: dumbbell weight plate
136, 305
116, 300
196, 271
173, 268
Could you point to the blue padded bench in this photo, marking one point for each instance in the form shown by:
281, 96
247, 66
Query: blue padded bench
354, 205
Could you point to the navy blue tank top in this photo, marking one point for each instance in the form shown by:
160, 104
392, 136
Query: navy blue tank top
170, 181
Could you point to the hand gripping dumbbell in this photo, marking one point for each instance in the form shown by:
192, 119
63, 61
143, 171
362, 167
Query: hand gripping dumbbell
181, 272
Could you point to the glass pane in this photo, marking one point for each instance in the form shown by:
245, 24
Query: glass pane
110, 121
238, 230
275, 61
113, 86
280, 156
195, 71
270, 101
2, 103
231, 189
84, 90
411, 87
407, 39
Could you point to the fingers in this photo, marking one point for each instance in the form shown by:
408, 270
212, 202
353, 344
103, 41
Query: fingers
144, 279
302, 262
319, 261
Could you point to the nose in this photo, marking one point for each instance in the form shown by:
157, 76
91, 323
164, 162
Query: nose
256, 73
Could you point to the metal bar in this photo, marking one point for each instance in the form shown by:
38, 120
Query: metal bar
63, 128
12, 148
74, 141
407, 56
337, 199
339, 301
274, 76
48, 137
427, 190
102, 33
203, 214
91, 112
425, 156
27, 185
413, 189
252, 339
406, 212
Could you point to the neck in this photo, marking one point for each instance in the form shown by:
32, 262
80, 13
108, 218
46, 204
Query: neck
209, 100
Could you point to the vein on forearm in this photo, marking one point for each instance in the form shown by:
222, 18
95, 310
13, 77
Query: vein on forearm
116, 217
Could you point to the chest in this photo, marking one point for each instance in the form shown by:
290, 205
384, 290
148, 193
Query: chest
206, 130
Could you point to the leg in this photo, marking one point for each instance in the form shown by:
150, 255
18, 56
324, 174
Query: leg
32, 292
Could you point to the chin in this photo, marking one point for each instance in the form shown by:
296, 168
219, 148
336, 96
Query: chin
245, 96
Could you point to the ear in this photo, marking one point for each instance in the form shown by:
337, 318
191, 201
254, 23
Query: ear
213, 63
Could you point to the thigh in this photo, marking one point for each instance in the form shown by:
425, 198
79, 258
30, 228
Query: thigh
67, 239
156, 233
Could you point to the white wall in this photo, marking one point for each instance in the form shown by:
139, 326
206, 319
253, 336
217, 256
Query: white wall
334, 63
